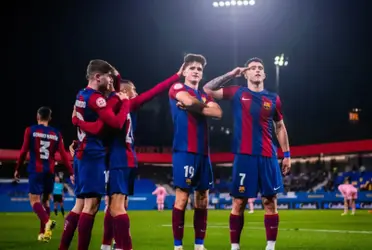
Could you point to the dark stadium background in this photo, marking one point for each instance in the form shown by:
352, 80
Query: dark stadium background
47, 45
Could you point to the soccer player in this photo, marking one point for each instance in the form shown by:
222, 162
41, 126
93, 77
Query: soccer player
58, 196
90, 155
350, 194
123, 161
160, 193
251, 205
42, 141
255, 169
192, 168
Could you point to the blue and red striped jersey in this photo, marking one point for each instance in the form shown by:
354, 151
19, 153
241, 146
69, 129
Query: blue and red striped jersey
121, 142
191, 133
122, 148
42, 142
88, 102
254, 116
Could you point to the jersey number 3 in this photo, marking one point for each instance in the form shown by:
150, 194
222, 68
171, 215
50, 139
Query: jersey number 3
44, 149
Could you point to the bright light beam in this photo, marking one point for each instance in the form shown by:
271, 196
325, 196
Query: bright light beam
280, 60
234, 3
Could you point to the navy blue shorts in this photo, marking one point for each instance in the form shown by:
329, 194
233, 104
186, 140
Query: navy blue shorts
41, 183
192, 170
121, 181
253, 174
90, 176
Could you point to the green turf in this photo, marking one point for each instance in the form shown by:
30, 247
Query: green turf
151, 230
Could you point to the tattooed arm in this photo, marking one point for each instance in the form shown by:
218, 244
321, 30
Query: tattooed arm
213, 87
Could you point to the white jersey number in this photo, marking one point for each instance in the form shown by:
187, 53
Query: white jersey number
44, 149
242, 178
189, 171
129, 138
107, 175
80, 133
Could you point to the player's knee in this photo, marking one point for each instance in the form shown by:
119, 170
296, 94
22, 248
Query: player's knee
117, 204
182, 197
270, 204
238, 206
91, 205
78, 207
201, 199
34, 198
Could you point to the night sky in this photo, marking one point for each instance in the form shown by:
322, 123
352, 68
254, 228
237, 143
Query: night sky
47, 47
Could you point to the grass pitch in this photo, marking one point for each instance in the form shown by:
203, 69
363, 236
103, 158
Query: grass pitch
151, 230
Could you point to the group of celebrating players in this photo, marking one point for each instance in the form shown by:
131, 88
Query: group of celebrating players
105, 161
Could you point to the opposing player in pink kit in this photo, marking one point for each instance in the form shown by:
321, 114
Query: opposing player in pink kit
350, 194
160, 193
251, 205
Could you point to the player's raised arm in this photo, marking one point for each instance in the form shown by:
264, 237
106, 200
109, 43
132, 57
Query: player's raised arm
179, 93
24, 150
64, 157
282, 135
214, 87
151, 93
98, 103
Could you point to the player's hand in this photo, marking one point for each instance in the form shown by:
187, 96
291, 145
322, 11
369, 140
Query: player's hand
16, 176
179, 73
72, 179
122, 96
110, 87
180, 105
115, 72
74, 112
237, 72
71, 148
286, 165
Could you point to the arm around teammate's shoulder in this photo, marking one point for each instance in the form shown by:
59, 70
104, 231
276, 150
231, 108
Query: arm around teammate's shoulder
106, 114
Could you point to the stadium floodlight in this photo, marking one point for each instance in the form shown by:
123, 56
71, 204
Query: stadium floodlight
279, 61
233, 3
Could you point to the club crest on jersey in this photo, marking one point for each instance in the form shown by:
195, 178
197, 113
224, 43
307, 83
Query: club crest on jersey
188, 181
101, 102
178, 86
267, 105
241, 189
